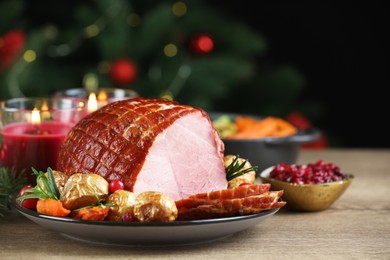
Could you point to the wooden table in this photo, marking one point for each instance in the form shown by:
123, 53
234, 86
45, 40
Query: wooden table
357, 226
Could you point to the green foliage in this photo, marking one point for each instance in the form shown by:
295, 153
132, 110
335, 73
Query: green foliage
10, 12
88, 34
10, 183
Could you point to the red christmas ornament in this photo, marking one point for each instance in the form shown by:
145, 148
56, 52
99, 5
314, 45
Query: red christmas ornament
297, 119
123, 71
202, 44
11, 44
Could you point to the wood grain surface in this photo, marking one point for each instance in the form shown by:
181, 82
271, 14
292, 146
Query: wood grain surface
356, 226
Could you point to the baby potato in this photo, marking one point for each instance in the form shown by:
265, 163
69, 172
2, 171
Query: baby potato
59, 177
83, 190
124, 202
248, 177
153, 206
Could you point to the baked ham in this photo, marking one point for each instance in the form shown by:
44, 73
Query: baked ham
150, 145
242, 200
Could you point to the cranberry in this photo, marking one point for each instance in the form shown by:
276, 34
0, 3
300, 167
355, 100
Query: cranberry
128, 217
116, 185
27, 203
318, 172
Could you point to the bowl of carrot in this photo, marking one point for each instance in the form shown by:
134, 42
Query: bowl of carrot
263, 141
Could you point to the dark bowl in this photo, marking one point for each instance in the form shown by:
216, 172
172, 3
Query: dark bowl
269, 151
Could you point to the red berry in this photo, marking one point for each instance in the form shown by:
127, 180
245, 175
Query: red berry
128, 217
27, 203
319, 172
116, 185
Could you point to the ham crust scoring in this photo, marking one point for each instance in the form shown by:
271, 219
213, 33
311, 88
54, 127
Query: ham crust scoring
149, 144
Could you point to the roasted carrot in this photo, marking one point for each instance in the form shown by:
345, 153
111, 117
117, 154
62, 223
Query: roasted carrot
94, 213
267, 127
52, 207
284, 128
243, 122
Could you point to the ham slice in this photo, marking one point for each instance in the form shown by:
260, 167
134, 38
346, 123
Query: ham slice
243, 200
149, 144
235, 193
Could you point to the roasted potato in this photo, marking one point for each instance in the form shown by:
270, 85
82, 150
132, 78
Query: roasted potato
248, 177
83, 190
152, 206
60, 179
124, 202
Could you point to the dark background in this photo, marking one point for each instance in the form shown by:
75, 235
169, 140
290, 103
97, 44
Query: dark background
342, 49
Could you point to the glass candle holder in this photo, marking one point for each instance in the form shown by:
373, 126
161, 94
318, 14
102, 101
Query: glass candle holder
99, 98
33, 130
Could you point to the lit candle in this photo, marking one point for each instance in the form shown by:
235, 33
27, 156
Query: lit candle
35, 116
34, 142
27, 145
99, 97
92, 103
103, 97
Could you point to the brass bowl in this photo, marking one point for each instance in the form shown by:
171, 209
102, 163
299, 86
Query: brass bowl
308, 197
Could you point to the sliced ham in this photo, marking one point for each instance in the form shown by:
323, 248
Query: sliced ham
237, 203
235, 193
149, 144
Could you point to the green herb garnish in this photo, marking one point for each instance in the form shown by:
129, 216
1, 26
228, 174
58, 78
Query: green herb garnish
235, 169
99, 204
46, 187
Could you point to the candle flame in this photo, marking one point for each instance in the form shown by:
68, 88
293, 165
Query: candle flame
44, 106
92, 102
102, 96
35, 116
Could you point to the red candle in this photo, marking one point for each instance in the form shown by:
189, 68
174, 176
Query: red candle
27, 145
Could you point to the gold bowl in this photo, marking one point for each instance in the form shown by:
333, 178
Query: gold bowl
308, 197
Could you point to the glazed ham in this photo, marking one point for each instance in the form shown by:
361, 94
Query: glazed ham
149, 144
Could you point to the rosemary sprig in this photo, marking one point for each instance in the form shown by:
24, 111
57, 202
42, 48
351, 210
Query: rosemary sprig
99, 204
10, 183
46, 187
235, 169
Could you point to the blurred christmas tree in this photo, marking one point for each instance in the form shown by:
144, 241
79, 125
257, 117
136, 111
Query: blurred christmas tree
185, 50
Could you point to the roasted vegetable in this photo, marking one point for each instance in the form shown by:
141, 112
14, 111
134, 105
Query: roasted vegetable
124, 202
52, 207
45, 193
267, 127
83, 190
60, 179
238, 171
245, 127
46, 187
152, 206
225, 126
97, 213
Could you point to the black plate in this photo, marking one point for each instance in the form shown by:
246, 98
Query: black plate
146, 234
